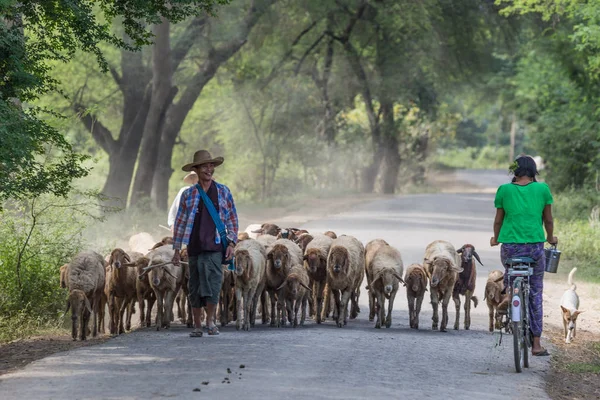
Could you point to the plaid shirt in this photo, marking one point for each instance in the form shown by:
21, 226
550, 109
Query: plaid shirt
184, 222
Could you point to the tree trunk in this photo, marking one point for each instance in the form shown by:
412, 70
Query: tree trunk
390, 145
162, 93
513, 135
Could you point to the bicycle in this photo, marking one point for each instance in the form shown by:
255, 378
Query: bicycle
519, 270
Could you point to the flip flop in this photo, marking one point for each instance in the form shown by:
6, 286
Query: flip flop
541, 353
214, 331
196, 333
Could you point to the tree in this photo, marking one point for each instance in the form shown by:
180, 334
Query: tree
35, 158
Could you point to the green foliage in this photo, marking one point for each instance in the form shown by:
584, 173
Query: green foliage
36, 238
575, 204
35, 158
487, 157
579, 241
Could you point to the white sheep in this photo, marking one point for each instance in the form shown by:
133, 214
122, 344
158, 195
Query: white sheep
86, 273
250, 264
165, 279
345, 272
440, 263
384, 270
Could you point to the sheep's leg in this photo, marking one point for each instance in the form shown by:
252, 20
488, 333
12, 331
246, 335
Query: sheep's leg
468, 295
248, 306
491, 317
85, 319
434, 305
445, 302
178, 298
142, 309
411, 309
354, 308
317, 296
343, 312
372, 304
304, 304
297, 304
388, 319
274, 302
456, 298
95, 308
168, 314
238, 322
130, 309
151, 302
380, 309
264, 306
159, 310
101, 311
418, 310
338, 307
326, 304
120, 324
254, 305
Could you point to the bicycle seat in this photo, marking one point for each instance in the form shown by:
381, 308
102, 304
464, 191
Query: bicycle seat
519, 260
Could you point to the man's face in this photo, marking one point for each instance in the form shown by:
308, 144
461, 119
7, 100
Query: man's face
205, 171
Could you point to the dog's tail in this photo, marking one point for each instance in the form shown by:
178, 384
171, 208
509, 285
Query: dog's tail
570, 280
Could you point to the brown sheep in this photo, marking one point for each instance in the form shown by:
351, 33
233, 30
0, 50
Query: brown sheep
143, 290
331, 234
415, 281
303, 240
163, 242
496, 301
384, 274
370, 250
440, 265
87, 273
122, 284
465, 283
315, 262
243, 236
345, 272
268, 229
282, 255
295, 291
184, 307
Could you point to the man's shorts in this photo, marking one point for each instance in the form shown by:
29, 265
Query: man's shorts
206, 277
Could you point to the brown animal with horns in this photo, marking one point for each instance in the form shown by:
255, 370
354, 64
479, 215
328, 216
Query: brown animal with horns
465, 284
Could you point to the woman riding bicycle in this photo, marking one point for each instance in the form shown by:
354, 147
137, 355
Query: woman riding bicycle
521, 208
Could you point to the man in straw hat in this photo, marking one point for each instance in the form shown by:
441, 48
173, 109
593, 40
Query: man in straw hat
191, 179
195, 228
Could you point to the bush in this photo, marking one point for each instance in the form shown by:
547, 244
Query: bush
575, 204
36, 238
579, 241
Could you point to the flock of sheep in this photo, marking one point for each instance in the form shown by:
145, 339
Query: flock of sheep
285, 272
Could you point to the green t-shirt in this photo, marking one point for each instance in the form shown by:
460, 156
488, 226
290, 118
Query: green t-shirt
523, 207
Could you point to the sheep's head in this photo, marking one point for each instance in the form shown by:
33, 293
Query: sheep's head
440, 267
268, 229
63, 276
118, 257
164, 241
243, 263
389, 279
313, 260
331, 234
279, 256
243, 236
467, 252
294, 285
303, 240
157, 275
339, 260
416, 280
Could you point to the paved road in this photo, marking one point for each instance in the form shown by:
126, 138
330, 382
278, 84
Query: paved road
313, 361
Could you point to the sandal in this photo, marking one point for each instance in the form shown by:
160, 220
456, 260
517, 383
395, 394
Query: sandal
214, 331
196, 332
541, 353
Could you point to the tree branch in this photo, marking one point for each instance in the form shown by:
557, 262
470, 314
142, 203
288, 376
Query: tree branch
307, 52
99, 132
187, 40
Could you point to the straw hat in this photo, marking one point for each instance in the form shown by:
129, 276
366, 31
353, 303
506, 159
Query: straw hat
202, 157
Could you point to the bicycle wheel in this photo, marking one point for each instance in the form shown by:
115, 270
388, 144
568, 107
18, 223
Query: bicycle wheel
527, 342
518, 332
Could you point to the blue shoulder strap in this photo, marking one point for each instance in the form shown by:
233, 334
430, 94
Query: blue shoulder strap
214, 215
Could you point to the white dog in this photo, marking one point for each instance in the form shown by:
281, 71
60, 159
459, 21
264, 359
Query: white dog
569, 305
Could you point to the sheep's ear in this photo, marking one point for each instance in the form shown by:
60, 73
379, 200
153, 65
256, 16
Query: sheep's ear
282, 285
399, 277
127, 257
499, 279
305, 257
477, 257
306, 287
459, 251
